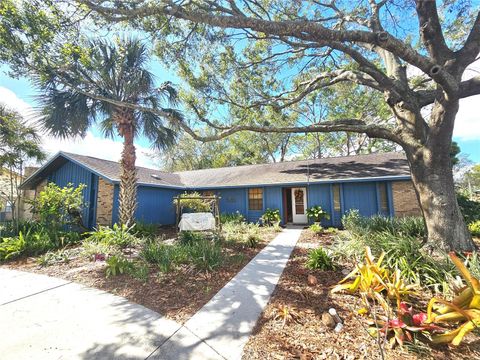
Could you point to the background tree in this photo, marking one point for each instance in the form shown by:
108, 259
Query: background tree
19, 143
90, 84
299, 47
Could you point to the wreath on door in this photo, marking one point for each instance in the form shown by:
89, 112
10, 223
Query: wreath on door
298, 195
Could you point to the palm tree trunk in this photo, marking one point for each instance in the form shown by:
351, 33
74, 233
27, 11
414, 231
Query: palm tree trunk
127, 198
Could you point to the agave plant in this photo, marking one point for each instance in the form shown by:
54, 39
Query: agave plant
463, 311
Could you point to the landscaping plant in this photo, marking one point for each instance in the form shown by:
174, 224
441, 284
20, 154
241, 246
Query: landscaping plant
116, 265
271, 217
120, 236
462, 313
319, 259
190, 237
474, 228
317, 214
232, 218
371, 279
193, 205
316, 228
406, 325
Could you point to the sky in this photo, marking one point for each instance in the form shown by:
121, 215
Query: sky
19, 94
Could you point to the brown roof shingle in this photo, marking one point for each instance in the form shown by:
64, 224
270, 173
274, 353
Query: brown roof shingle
379, 165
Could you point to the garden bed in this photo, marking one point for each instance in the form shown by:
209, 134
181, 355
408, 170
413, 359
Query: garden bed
177, 294
306, 336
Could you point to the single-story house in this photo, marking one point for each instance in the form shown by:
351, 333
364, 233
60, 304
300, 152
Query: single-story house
374, 184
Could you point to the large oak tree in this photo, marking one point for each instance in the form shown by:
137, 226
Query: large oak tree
417, 63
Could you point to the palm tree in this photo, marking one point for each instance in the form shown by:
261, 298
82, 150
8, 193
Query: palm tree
94, 88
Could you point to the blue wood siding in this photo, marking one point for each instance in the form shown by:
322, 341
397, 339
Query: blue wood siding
319, 194
71, 173
232, 200
361, 196
155, 205
273, 199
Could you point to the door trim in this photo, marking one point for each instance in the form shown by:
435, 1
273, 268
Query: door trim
300, 218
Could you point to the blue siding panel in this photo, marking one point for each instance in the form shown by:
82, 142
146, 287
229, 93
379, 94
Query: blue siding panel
273, 199
319, 194
361, 196
232, 200
155, 205
71, 173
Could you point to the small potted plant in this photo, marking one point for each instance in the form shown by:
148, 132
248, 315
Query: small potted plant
317, 214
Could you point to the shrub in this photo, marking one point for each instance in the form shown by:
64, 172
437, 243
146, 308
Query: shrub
190, 237
474, 228
253, 239
54, 257
401, 239
11, 247
193, 205
232, 218
316, 228
319, 259
271, 217
118, 236
139, 271
317, 214
145, 230
58, 207
205, 255
117, 264
470, 209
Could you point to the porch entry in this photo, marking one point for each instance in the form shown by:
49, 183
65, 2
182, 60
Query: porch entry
295, 205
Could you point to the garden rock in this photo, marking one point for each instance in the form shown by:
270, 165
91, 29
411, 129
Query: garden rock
328, 320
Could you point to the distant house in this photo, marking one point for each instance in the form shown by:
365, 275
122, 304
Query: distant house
373, 184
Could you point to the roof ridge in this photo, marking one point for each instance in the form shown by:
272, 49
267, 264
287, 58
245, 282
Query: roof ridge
291, 161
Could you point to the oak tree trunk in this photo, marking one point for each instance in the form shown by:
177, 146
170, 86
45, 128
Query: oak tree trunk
432, 177
128, 180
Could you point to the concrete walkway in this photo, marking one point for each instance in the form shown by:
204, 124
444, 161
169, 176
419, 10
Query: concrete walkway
48, 318
222, 327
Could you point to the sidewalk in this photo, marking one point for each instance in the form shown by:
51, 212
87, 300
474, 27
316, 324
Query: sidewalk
222, 327
50, 318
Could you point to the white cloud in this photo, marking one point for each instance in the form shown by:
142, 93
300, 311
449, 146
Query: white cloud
91, 145
467, 124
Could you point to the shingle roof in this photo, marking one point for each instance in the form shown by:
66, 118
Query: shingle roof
379, 165
111, 170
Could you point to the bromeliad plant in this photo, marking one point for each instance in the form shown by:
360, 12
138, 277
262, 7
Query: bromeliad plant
371, 279
463, 311
407, 325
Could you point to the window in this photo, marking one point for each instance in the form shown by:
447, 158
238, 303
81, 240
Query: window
382, 190
255, 199
336, 197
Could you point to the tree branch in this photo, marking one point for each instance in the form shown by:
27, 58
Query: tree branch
468, 53
467, 88
431, 31
301, 29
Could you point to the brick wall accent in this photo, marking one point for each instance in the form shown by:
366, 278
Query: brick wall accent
405, 201
104, 202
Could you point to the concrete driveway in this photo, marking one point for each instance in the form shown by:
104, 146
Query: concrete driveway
48, 318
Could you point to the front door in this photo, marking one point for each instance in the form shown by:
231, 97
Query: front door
299, 204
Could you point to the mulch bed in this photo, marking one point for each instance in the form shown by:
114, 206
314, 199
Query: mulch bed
177, 295
307, 337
